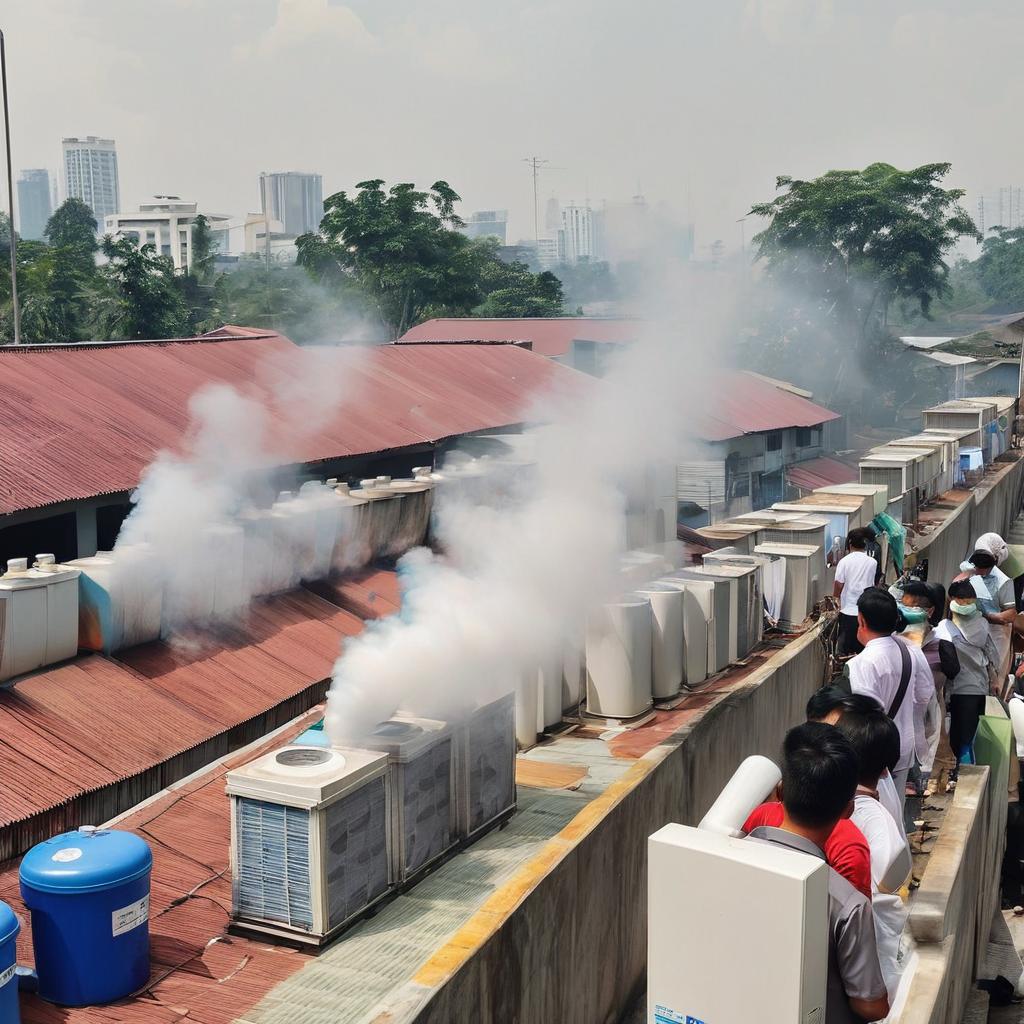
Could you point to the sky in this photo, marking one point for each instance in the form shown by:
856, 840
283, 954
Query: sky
697, 104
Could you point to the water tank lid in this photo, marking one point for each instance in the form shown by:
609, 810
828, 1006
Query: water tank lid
9, 923
86, 860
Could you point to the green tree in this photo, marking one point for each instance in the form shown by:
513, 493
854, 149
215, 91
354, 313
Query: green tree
401, 247
847, 245
1000, 267
204, 249
588, 281
72, 225
512, 289
137, 295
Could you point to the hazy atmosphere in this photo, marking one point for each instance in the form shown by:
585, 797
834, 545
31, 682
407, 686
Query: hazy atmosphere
699, 104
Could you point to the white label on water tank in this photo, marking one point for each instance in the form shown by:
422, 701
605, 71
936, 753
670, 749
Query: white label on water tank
7, 975
127, 918
68, 853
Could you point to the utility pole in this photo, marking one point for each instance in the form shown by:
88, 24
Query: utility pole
535, 163
10, 195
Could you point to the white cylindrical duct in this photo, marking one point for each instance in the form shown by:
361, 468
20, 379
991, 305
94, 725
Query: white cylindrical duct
666, 638
618, 652
527, 714
751, 784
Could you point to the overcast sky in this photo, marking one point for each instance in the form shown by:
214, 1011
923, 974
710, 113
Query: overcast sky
691, 102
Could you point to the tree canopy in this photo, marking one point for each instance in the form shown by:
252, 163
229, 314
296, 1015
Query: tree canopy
1000, 267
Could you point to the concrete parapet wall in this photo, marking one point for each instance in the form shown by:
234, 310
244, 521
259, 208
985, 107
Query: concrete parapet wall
566, 939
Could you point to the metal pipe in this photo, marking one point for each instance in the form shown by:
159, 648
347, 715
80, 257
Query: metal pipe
10, 194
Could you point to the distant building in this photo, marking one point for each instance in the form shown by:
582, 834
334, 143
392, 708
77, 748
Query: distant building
547, 252
1003, 208
34, 207
487, 224
294, 198
90, 174
164, 222
576, 237
628, 232
246, 236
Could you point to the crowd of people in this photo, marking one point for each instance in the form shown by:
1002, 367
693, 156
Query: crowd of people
918, 661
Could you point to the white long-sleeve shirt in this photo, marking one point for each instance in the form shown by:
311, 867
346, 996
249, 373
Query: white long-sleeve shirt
876, 671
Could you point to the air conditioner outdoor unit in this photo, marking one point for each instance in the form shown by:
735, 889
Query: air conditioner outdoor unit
310, 839
705, 626
619, 659
802, 580
727, 608
421, 754
666, 638
750, 601
486, 767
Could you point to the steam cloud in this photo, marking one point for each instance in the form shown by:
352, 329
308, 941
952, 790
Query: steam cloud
528, 552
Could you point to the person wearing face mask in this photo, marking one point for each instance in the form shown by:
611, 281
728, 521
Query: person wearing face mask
921, 605
997, 603
976, 653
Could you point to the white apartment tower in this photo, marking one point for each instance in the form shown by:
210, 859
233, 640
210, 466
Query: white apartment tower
294, 198
576, 239
90, 174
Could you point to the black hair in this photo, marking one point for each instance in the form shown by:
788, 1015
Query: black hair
915, 588
962, 588
829, 698
875, 740
819, 774
938, 592
879, 609
982, 560
857, 539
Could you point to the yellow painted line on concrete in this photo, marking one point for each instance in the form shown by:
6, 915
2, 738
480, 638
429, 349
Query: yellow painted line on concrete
501, 904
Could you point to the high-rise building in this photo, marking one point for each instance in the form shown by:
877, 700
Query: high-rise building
576, 238
1003, 208
487, 224
34, 207
90, 174
293, 198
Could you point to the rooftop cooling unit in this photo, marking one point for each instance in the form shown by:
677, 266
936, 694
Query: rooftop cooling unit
319, 537
486, 774
421, 753
549, 695
749, 602
705, 627
309, 839
384, 514
666, 638
619, 638
727, 610
527, 709
801, 579
120, 600
353, 545
258, 551
771, 578
877, 494
416, 506
808, 530
38, 615
572, 676
740, 536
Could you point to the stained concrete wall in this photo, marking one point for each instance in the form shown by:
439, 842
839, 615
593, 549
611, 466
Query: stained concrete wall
566, 939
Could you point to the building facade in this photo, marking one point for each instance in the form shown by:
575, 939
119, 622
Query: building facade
576, 238
90, 174
294, 198
487, 224
34, 207
164, 222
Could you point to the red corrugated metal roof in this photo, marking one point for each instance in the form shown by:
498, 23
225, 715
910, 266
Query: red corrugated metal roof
743, 403
86, 420
823, 472
369, 594
550, 336
91, 722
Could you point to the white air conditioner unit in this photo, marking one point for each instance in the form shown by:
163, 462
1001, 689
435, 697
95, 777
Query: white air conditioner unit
802, 579
310, 840
486, 774
726, 611
750, 601
619, 661
666, 638
421, 753
747, 903
702, 646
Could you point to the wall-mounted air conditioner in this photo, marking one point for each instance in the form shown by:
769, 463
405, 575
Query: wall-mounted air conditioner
310, 839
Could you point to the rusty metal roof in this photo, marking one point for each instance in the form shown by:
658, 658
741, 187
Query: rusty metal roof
86, 420
369, 594
823, 472
548, 336
93, 722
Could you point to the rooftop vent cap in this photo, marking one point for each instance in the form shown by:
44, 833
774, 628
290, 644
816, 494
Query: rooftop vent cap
17, 565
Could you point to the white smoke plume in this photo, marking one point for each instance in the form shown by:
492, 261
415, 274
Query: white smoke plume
203, 515
527, 553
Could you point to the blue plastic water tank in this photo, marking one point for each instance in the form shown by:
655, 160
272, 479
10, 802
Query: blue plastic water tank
88, 893
9, 928
312, 738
